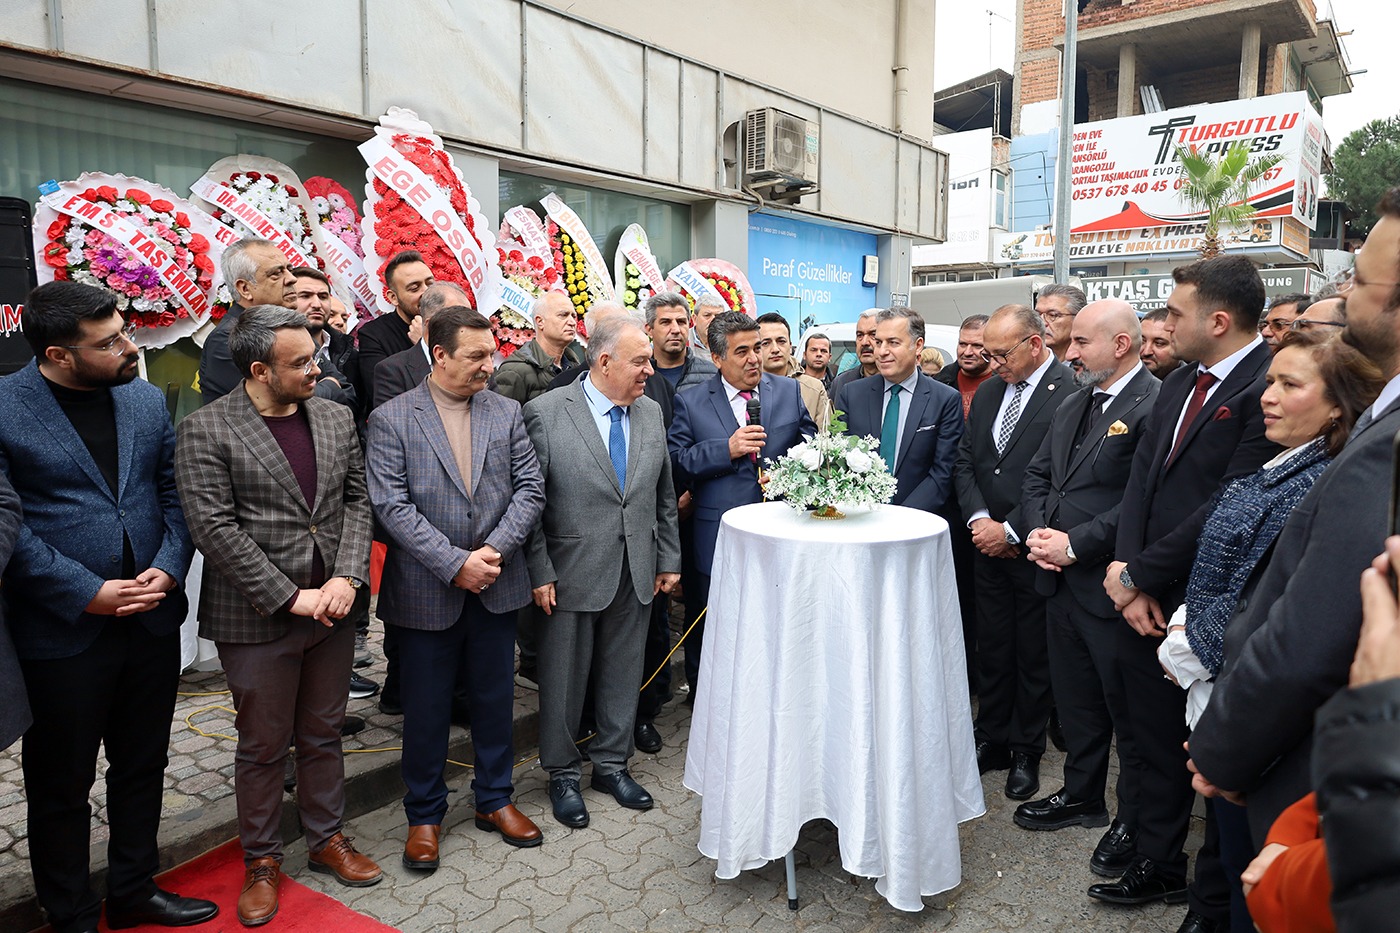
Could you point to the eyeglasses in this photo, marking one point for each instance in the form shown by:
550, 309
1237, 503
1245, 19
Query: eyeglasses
1302, 324
1050, 317
1277, 325
1001, 358
1355, 282
116, 346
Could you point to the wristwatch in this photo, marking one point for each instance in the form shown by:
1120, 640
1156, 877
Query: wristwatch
354, 584
1125, 579
1069, 551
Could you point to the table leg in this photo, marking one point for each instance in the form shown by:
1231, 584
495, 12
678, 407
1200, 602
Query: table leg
791, 863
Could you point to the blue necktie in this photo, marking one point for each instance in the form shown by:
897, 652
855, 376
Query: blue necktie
617, 446
889, 431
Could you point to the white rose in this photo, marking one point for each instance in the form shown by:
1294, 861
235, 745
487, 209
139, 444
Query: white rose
859, 461
810, 457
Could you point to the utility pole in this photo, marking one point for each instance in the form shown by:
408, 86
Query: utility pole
1064, 164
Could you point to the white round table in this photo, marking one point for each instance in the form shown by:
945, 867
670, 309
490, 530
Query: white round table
833, 685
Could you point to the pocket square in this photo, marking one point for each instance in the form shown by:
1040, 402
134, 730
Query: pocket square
1222, 414
927, 427
1117, 428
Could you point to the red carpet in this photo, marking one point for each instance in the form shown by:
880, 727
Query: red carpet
218, 876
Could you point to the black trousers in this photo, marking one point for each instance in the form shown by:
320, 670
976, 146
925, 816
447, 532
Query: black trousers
655, 694
118, 693
1013, 671
1084, 651
461, 694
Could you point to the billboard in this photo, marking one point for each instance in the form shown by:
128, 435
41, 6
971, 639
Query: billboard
1126, 175
807, 271
969, 201
1124, 245
1149, 292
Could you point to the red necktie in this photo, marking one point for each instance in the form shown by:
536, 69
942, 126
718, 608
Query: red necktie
1193, 408
746, 395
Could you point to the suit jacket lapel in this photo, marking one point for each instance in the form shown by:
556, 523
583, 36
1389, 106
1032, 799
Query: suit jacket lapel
126, 439
917, 402
249, 427
1127, 400
326, 454
1240, 378
482, 422
719, 398
40, 400
1048, 386
582, 416
430, 423
1064, 455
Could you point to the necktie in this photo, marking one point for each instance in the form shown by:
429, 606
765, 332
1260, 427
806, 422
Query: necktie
889, 430
746, 395
617, 446
1091, 415
1008, 421
1193, 408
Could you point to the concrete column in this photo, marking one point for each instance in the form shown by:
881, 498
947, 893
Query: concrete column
720, 229
1127, 80
1249, 62
896, 269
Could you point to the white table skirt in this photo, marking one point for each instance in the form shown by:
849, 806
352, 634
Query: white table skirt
833, 685
196, 653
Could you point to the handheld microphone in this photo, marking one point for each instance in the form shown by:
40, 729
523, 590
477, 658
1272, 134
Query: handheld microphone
753, 408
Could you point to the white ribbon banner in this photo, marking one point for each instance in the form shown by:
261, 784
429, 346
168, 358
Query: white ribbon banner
521, 300
420, 191
571, 224
347, 267
638, 252
234, 203
534, 241
155, 252
692, 281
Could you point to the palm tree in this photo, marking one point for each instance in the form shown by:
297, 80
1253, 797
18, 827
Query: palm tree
1219, 188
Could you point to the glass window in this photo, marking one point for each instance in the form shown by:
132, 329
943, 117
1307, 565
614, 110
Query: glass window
59, 134
607, 213
1001, 205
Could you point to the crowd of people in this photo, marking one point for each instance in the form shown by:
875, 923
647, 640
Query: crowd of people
1157, 524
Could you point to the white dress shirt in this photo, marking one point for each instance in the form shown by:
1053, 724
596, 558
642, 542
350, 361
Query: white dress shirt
1221, 371
907, 393
736, 404
599, 404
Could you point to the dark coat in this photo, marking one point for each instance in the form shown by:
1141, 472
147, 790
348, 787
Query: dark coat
396, 374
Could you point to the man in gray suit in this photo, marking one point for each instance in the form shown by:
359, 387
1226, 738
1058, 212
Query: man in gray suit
274, 482
456, 485
607, 544
1290, 645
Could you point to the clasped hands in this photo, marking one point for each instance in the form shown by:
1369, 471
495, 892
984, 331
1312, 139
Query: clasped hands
1049, 549
989, 536
127, 597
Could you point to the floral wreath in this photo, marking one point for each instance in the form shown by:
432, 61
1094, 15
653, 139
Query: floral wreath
511, 329
726, 278
335, 209
73, 250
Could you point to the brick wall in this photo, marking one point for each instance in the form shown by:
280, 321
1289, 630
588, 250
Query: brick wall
1040, 80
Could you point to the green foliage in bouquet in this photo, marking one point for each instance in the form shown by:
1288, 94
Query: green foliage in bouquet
831, 470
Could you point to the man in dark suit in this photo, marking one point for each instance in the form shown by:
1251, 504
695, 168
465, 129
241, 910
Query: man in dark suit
606, 546
407, 369
918, 421
256, 273
1073, 490
716, 451
1290, 644
274, 479
456, 485
406, 278
1206, 429
1009, 418
312, 297
94, 597
14, 702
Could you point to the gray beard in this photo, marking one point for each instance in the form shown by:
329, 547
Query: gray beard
1093, 377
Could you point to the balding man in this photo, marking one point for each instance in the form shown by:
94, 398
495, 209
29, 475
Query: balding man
526, 373
1074, 486
1329, 314
407, 369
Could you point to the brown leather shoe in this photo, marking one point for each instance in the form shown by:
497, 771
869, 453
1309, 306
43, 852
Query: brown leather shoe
420, 852
515, 827
351, 868
258, 902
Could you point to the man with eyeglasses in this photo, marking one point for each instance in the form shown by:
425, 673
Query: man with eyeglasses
256, 273
1282, 311
1008, 420
94, 593
1057, 305
1325, 314
275, 482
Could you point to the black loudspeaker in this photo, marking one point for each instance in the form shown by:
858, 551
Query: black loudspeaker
17, 280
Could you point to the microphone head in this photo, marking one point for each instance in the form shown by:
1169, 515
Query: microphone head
753, 409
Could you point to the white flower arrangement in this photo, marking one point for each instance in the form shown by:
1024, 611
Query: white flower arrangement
831, 471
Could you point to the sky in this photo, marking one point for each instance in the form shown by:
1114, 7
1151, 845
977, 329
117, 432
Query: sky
974, 36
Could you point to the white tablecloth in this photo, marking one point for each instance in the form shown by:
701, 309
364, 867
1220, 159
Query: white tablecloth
833, 685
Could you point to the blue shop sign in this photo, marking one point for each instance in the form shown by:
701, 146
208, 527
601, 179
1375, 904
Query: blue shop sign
808, 272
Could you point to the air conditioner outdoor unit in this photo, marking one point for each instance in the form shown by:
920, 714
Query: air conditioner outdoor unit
781, 150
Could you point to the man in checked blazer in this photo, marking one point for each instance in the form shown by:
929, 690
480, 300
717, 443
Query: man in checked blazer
456, 485
1073, 489
1006, 423
274, 481
606, 545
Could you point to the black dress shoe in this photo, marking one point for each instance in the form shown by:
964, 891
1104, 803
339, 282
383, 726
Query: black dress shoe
1055, 731
390, 706
1199, 923
646, 738
624, 790
992, 757
1144, 882
567, 800
1115, 851
162, 909
1024, 779
1060, 810
351, 726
